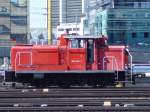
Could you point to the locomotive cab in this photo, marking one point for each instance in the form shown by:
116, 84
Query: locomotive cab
85, 48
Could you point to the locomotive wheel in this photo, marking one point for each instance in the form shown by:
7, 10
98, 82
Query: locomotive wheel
40, 85
13, 85
99, 85
64, 85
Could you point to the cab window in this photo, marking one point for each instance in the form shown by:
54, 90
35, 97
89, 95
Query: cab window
76, 43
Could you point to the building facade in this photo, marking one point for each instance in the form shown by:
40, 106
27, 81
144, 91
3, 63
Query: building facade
70, 11
55, 13
70, 16
125, 22
13, 22
13, 25
19, 20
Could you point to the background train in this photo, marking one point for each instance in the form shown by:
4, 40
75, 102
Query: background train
76, 60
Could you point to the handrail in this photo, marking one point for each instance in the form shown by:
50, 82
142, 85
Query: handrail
131, 64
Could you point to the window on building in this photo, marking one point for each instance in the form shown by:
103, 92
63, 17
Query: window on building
69, 29
19, 2
146, 34
134, 34
60, 29
1, 60
4, 29
76, 29
3, 9
86, 23
111, 15
19, 38
19, 20
139, 4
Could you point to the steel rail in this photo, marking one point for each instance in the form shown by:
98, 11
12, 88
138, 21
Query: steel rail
41, 94
75, 109
3, 89
73, 95
73, 103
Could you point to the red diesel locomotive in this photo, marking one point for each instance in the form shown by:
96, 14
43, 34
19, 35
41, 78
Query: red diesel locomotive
76, 60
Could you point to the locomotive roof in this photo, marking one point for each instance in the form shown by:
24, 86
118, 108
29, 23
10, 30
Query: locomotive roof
82, 37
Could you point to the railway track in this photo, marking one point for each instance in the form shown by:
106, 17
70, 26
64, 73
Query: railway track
76, 109
32, 102
62, 93
75, 100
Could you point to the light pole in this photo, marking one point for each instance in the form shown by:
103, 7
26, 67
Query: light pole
49, 20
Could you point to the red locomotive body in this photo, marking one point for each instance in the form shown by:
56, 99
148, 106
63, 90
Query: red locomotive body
74, 61
38, 58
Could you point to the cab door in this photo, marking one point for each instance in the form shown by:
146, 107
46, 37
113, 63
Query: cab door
77, 55
90, 53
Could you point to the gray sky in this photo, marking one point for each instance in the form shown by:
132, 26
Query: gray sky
38, 17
